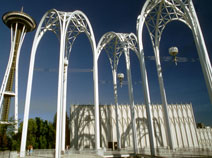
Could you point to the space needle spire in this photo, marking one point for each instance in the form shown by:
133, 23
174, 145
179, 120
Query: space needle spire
19, 23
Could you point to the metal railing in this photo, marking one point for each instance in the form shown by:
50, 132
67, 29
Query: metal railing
91, 153
8, 154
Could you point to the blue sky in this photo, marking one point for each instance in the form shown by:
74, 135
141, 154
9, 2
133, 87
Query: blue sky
184, 83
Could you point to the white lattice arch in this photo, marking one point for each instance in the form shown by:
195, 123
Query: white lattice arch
115, 44
128, 40
67, 26
156, 14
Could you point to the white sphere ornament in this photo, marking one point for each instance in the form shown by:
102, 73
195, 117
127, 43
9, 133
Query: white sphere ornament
173, 51
120, 77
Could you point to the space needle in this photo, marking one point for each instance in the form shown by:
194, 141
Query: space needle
19, 23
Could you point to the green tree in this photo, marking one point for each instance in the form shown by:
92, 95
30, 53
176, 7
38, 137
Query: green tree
6, 135
13, 138
41, 135
67, 137
51, 136
31, 133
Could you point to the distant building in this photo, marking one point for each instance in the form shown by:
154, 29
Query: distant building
183, 127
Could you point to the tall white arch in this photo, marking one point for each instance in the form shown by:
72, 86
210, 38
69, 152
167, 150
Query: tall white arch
115, 44
67, 26
156, 14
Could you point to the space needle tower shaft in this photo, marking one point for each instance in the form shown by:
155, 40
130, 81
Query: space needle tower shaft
19, 23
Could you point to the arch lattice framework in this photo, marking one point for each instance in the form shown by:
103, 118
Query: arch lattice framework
115, 44
67, 26
156, 14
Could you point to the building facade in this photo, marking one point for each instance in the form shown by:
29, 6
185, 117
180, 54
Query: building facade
183, 127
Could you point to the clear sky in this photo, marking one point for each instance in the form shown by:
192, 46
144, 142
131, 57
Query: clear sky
184, 83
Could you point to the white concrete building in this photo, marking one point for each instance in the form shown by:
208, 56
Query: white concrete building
185, 135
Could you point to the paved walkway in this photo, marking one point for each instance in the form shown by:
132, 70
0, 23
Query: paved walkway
49, 153
115, 155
